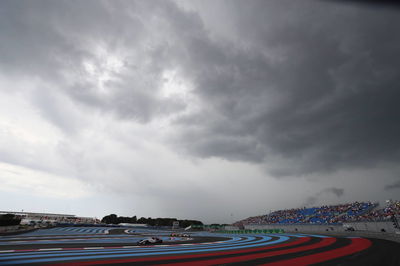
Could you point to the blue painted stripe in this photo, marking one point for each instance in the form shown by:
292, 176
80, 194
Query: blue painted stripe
232, 242
182, 249
139, 249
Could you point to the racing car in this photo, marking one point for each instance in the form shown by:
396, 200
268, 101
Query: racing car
150, 241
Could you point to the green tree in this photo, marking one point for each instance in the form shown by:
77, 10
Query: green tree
110, 219
9, 219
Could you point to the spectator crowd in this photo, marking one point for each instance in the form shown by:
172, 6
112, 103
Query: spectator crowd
332, 214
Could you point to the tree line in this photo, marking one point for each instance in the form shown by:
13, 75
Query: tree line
9, 219
114, 219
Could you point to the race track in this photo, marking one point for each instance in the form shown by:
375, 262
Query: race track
105, 246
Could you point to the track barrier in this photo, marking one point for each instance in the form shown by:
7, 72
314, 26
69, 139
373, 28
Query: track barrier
255, 231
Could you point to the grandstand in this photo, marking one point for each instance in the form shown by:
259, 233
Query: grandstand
327, 215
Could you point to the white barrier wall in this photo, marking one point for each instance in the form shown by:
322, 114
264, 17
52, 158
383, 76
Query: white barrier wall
231, 228
387, 227
299, 227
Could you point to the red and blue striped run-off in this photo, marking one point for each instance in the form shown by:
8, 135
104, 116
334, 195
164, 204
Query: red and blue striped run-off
100, 246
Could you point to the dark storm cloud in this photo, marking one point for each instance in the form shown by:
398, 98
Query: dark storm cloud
313, 84
395, 185
299, 87
374, 3
338, 192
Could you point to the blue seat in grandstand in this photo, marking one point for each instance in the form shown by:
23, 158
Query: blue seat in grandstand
308, 211
317, 220
364, 207
332, 214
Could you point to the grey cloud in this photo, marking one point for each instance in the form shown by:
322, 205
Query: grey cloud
324, 99
338, 192
299, 88
58, 110
294, 88
395, 185
310, 201
52, 41
382, 3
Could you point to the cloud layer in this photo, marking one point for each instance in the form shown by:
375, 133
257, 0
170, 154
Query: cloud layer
145, 97
304, 89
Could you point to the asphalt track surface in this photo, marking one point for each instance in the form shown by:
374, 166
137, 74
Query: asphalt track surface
105, 246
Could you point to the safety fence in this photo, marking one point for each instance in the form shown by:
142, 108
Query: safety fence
256, 231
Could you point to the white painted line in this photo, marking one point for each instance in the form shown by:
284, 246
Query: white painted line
47, 249
93, 248
129, 246
5, 251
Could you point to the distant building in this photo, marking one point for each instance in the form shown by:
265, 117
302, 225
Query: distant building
52, 218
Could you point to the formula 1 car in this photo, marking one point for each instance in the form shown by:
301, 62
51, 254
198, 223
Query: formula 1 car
150, 241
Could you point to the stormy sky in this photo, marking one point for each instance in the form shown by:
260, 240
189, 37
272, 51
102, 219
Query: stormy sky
209, 110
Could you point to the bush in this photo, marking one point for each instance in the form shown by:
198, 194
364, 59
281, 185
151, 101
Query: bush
9, 219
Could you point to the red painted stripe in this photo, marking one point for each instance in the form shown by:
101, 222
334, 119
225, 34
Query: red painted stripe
357, 245
221, 253
323, 243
